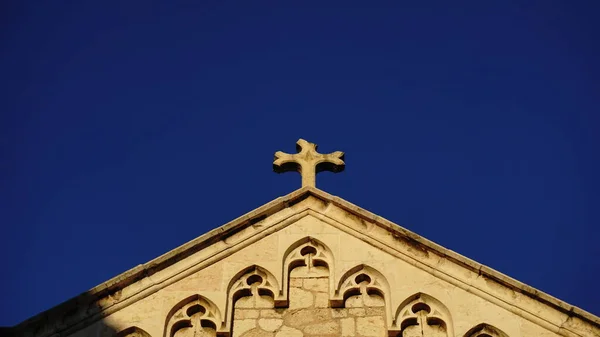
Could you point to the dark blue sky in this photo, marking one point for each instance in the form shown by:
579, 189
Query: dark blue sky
132, 127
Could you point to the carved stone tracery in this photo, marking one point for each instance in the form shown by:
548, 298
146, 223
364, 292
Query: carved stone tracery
194, 316
423, 315
360, 280
255, 282
312, 254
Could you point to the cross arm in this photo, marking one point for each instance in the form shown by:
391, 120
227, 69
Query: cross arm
284, 162
333, 162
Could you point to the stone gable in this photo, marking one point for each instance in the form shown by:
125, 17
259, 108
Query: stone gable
310, 264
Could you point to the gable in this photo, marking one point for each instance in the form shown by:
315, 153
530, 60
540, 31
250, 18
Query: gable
358, 253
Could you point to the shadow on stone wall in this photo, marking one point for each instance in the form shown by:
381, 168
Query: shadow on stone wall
83, 311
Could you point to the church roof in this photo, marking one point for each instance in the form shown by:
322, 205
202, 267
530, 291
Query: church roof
415, 241
148, 278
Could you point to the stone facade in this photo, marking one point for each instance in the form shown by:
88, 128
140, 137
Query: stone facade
310, 264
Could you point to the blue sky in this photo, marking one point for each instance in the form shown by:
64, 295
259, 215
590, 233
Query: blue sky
129, 128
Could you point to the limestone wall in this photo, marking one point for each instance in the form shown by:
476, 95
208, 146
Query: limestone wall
309, 313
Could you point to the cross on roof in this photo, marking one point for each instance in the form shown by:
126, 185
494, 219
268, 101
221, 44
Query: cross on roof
308, 162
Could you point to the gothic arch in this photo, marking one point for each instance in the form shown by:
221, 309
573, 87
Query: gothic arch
250, 281
425, 311
485, 330
362, 280
133, 331
193, 314
308, 252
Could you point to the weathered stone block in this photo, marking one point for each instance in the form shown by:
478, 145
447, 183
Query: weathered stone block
286, 331
242, 325
300, 298
299, 318
258, 333
371, 326
263, 302
317, 284
337, 313
322, 314
321, 300
246, 313
273, 313
296, 282
347, 325
356, 311
270, 324
375, 311
327, 328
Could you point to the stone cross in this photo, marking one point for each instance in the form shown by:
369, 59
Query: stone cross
308, 162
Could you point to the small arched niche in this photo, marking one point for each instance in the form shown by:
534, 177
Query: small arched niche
307, 258
253, 287
422, 315
195, 316
363, 286
485, 330
361, 280
133, 331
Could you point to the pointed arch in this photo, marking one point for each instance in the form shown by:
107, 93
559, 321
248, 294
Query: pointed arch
194, 312
133, 331
485, 330
241, 284
422, 309
362, 280
351, 281
251, 279
308, 252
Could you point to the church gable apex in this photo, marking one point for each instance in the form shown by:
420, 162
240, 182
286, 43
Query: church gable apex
452, 268
311, 264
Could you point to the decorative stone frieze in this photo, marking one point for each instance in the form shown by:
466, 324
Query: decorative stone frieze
307, 304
